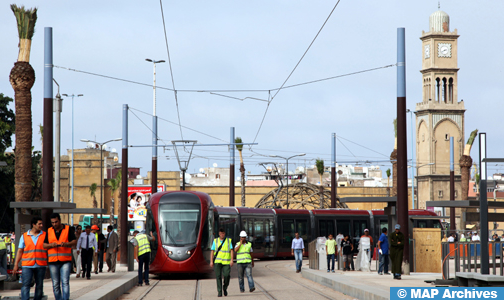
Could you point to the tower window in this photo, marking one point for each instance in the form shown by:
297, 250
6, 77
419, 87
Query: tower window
440, 193
447, 137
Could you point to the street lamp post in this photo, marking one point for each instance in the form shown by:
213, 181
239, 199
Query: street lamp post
287, 170
72, 165
418, 198
154, 130
101, 171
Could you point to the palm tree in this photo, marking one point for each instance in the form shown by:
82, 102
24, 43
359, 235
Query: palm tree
114, 185
393, 158
388, 182
465, 165
238, 140
319, 163
92, 192
22, 78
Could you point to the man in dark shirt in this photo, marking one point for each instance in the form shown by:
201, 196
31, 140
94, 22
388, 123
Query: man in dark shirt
347, 248
59, 241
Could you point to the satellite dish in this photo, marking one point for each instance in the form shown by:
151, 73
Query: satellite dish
90, 145
301, 169
214, 165
238, 178
202, 170
139, 176
104, 147
114, 150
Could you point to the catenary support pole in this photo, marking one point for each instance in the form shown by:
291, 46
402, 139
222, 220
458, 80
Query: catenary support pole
57, 157
124, 189
402, 156
154, 138
232, 169
47, 144
452, 187
483, 205
334, 186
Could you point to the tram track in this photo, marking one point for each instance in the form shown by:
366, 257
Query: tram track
299, 283
148, 290
197, 295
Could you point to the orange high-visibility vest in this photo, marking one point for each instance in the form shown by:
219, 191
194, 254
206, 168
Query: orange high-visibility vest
56, 254
34, 253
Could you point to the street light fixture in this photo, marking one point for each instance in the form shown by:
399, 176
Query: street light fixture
418, 198
72, 165
101, 171
287, 160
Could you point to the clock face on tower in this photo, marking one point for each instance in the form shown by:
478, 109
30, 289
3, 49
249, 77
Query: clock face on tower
427, 51
444, 50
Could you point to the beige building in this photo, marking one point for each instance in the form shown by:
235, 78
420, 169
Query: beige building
440, 115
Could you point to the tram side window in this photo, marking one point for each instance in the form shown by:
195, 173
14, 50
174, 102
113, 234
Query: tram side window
421, 224
343, 227
150, 226
326, 227
287, 230
228, 224
359, 226
383, 224
302, 229
436, 224
258, 231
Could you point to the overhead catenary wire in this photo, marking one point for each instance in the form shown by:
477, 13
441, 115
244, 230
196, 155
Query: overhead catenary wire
171, 71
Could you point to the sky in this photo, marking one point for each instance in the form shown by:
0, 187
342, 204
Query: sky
254, 45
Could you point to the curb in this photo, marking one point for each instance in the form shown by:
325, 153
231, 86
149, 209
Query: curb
114, 289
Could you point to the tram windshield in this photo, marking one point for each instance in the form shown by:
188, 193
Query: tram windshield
179, 223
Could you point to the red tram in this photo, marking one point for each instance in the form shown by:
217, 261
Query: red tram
186, 222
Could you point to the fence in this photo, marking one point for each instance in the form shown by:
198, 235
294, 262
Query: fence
313, 255
467, 257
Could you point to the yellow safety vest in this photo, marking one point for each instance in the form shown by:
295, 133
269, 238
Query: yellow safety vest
243, 254
143, 244
224, 255
96, 237
2, 245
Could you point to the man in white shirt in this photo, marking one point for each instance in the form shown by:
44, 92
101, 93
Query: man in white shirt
451, 239
475, 237
86, 242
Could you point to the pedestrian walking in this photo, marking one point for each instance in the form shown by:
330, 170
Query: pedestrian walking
370, 250
347, 248
3, 257
89, 248
297, 250
59, 241
33, 259
245, 261
111, 246
221, 259
330, 246
396, 240
76, 256
383, 250
142, 254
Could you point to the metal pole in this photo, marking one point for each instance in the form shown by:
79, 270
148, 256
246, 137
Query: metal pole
124, 189
47, 147
418, 198
452, 187
287, 177
483, 205
412, 164
155, 140
402, 156
232, 169
333, 172
101, 184
57, 158
72, 171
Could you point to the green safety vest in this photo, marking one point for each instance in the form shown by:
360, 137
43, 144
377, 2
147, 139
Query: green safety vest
2, 245
96, 237
463, 239
224, 255
243, 254
143, 244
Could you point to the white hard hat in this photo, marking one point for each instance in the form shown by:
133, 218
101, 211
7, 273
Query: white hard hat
243, 234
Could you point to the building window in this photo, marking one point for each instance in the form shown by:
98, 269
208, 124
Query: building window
423, 137
440, 194
447, 137
456, 194
217, 176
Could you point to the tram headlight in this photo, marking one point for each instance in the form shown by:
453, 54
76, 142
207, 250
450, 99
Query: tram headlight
188, 252
170, 253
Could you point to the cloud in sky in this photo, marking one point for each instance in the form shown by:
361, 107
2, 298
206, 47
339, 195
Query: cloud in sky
255, 45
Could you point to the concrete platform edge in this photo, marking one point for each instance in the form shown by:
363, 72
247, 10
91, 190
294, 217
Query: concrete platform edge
114, 289
346, 288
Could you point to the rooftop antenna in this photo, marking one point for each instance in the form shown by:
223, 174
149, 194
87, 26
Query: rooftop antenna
439, 5
183, 164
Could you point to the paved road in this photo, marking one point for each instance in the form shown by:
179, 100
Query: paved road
274, 279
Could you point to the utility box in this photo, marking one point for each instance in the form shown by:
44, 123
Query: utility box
427, 252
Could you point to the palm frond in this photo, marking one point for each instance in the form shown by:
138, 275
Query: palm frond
388, 172
92, 189
237, 141
470, 141
395, 127
26, 19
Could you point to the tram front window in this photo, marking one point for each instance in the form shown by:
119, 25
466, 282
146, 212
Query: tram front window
179, 223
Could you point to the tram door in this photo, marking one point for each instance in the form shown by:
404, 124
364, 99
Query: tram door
256, 231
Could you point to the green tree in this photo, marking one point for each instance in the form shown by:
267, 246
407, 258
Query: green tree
114, 185
242, 169
22, 78
388, 182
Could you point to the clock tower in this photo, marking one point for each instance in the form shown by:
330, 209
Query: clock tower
440, 115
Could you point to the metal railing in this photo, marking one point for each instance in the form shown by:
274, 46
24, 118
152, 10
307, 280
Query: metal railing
467, 257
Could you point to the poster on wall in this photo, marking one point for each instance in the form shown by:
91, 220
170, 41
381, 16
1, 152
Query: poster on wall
138, 196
